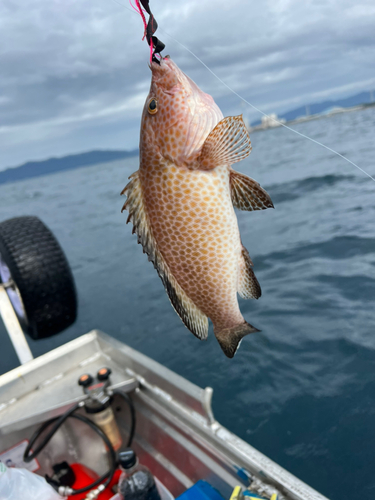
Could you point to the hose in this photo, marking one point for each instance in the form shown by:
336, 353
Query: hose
27, 457
133, 419
58, 421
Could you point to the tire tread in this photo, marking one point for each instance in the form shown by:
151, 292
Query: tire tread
42, 274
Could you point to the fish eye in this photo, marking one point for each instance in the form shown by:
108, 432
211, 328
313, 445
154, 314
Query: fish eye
152, 106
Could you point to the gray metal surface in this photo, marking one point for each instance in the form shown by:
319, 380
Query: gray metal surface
13, 327
47, 386
177, 435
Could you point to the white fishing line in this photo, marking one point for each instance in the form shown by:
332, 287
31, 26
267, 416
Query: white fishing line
254, 107
265, 114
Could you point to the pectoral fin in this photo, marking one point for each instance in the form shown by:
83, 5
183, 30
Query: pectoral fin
248, 286
228, 142
247, 194
189, 313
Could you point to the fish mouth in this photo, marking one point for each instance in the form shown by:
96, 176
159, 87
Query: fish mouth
157, 65
165, 74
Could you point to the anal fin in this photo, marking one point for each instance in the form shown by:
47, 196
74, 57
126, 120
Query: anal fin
248, 286
190, 314
247, 194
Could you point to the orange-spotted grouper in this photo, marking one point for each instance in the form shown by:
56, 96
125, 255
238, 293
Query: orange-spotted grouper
181, 204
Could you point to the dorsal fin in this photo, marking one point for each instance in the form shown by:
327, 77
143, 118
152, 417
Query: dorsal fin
248, 286
247, 194
191, 316
228, 142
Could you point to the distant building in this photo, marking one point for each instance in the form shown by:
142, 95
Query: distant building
268, 121
271, 120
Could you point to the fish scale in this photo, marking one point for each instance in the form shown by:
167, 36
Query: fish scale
181, 204
197, 233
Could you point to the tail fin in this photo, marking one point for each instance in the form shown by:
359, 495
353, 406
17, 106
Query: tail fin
230, 338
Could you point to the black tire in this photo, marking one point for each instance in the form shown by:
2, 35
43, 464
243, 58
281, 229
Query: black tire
44, 296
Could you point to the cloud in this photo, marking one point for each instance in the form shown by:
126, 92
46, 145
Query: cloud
74, 74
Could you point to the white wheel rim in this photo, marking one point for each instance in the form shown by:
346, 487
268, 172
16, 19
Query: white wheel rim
13, 292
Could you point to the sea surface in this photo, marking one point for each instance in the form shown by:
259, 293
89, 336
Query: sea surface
303, 390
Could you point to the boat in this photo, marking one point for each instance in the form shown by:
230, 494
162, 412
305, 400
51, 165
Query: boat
168, 420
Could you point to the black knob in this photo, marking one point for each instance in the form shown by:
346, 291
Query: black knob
85, 380
127, 458
104, 373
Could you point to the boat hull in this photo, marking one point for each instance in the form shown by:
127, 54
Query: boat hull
177, 436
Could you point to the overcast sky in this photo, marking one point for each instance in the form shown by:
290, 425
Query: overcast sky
74, 74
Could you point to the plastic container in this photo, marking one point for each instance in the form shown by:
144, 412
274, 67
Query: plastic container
21, 484
105, 419
136, 481
164, 493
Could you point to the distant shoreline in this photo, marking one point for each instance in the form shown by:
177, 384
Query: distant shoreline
302, 119
50, 166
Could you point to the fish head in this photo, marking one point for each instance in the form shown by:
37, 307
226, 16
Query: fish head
177, 115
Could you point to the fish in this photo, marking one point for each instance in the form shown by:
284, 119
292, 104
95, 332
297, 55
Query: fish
181, 202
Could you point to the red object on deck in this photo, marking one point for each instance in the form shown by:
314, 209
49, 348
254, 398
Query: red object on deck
86, 476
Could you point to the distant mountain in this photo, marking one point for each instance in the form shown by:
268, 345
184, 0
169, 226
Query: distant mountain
319, 107
53, 165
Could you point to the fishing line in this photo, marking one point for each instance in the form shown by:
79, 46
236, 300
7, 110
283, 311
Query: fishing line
257, 109
140, 11
265, 114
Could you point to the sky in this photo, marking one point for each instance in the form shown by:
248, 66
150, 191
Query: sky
74, 74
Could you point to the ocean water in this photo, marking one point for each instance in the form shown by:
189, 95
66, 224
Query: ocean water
303, 390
